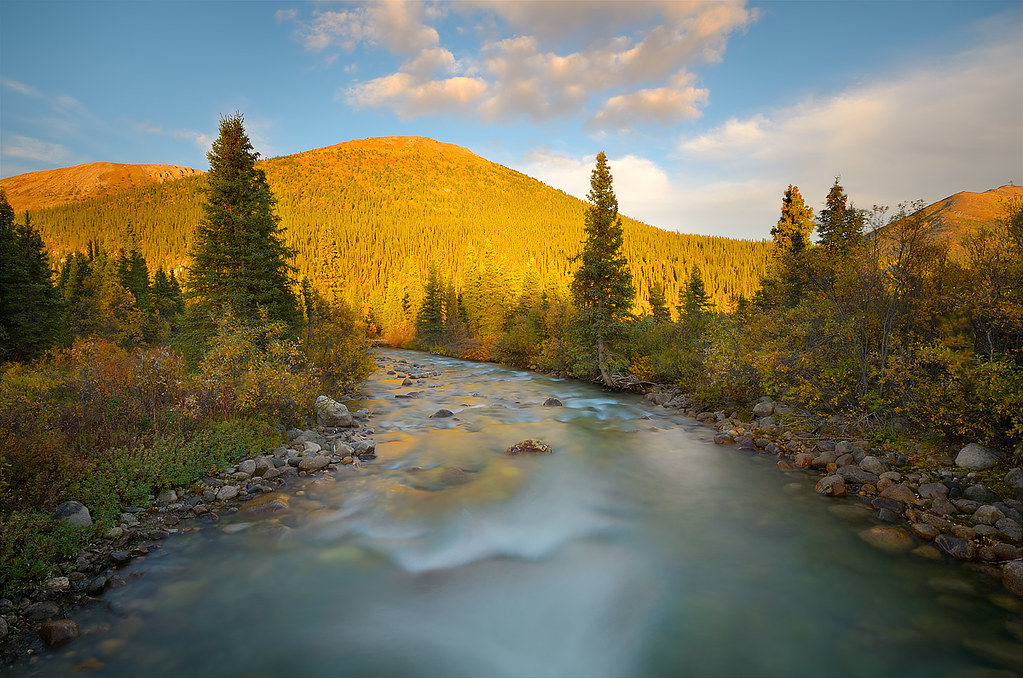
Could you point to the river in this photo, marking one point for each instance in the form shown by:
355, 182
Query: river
638, 548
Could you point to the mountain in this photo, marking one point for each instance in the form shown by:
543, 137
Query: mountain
368, 218
957, 215
50, 188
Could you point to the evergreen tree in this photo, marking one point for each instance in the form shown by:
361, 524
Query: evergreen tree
602, 288
792, 233
839, 226
430, 319
239, 259
694, 301
29, 303
658, 304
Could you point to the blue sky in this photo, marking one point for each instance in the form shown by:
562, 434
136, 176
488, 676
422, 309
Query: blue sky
707, 110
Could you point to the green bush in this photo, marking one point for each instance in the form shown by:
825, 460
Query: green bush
30, 543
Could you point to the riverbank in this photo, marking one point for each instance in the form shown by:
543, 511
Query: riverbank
932, 505
43, 616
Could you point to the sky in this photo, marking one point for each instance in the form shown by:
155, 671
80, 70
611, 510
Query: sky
707, 110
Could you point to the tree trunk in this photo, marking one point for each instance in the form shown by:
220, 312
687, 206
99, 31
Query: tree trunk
605, 375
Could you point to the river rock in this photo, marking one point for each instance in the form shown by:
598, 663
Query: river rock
442, 414
831, 486
266, 505
924, 531
1010, 528
723, 439
1012, 576
44, 609
227, 492
166, 497
943, 507
900, 493
957, 547
73, 513
3, 628
982, 494
856, 475
248, 466
888, 538
883, 503
331, 413
804, 459
933, 490
96, 585
764, 408
529, 447
310, 464
1015, 478
976, 457
823, 459
58, 631
873, 465
986, 515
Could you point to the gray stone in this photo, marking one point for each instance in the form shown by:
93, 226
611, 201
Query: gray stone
957, 547
96, 585
823, 459
900, 493
45, 609
831, 486
309, 447
764, 408
554, 402
767, 422
227, 492
310, 464
856, 475
1010, 528
248, 466
987, 515
976, 457
166, 497
843, 447
982, 494
966, 505
73, 513
934, 490
1015, 477
873, 465
1012, 576
3, 628
331, 413
442, 414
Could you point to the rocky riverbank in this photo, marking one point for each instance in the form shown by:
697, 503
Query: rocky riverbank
44, 616
966, 508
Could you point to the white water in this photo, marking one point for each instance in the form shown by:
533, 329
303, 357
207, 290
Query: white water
637, 549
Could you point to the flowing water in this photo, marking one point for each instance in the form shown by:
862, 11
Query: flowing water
639, 548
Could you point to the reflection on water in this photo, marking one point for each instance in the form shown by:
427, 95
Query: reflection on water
637, 548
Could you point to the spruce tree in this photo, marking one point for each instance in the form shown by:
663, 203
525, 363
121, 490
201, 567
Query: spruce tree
695, 301
658, 304
839, 226
29, 303
239, 262
430, 319
792, 232
602, 288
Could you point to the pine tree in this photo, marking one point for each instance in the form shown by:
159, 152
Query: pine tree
792, 233
658, 304
430, 319
694, 299
29, 303
602, 288
839, 226
239, 259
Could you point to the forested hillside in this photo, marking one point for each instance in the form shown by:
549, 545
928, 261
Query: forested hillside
369, 218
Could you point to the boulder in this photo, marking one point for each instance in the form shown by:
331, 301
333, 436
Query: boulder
873, 465
900, 493
982, 494
764, 408
249, 466
856, 475
310, 464
442, 414
804, 459
45, 609
529, 447
1012, 576
331, 413
957, 547
987, 515
831, 486
976, 457
924, 531
1010, 528
554, 402
1015, 478
227, 492
59, 631
934, 491
73, 513
166, 497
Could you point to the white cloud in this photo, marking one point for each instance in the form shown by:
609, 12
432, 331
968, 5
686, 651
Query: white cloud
629, 60
19, 146
21, 88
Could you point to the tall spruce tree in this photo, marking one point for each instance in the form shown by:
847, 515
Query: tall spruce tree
239, 261
29, 303
792, 232
694, 299
430, 319
602, 288
658, 304
839, 225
